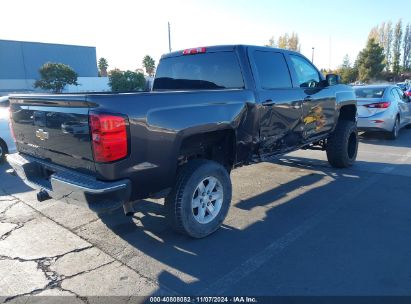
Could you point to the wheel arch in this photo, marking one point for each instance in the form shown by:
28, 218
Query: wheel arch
213, 144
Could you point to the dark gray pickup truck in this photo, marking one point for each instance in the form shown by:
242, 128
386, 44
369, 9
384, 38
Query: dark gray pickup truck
211, 110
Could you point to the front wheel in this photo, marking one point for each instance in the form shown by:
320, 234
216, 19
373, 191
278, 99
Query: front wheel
342, 145
200, 199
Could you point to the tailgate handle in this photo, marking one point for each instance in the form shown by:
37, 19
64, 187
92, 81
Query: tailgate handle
268, 103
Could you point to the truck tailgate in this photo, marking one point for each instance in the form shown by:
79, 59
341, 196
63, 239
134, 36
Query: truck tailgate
54, 128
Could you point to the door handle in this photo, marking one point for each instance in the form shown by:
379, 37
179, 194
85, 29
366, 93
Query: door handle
268, 103
308, 98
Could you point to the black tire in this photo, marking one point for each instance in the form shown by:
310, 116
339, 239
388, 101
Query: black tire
395, 129
342, 145
3, 151
180, 212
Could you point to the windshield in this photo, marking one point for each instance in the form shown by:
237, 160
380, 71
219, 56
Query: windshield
209, 71
369, 92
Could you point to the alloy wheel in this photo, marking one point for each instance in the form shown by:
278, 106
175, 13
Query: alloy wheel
207, 200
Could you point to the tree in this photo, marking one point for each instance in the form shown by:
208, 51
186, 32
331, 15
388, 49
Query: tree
288, 42
406, 46
370, 61
126, 81
271, 42
374, 34
397, 48
383, 35
102, 66
55, 76
149, 65
294, 43
388, 34
347, 72
283, 41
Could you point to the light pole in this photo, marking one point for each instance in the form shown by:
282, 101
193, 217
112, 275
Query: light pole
169, 38
312, 55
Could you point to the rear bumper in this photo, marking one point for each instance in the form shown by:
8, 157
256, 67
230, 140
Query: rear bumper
70, 186
372, 124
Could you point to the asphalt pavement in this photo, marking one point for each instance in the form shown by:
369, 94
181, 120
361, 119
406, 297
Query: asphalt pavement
296, 227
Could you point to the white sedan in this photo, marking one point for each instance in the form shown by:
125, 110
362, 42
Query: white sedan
7, 144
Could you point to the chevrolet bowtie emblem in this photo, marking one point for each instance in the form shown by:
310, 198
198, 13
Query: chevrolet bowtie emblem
42, 135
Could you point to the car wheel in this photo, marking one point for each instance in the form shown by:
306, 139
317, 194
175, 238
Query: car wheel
395, 129
3, 151
200, 199
342, 145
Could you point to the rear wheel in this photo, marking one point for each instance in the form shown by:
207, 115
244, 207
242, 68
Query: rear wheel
3, 151
395, 129
199, 202
342, 145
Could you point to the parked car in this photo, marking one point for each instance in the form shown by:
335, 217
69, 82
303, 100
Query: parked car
7, 144
403, 86
408, 93
211, 110
382, 108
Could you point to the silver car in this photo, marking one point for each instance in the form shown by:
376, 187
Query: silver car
7, 144
382, 108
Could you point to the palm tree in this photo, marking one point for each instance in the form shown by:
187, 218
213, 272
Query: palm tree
149, 64
102, 66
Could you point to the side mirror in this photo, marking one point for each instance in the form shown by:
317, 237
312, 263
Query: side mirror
332, 79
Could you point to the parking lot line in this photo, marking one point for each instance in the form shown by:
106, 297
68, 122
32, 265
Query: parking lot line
220, 286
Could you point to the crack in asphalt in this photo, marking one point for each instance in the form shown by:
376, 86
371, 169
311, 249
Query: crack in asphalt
163, 287
63, 277
7, 234
40, 290
19, 226
15, 202
83, 225
52, 276
5, 257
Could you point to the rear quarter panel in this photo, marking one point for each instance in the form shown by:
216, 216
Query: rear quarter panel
160, 121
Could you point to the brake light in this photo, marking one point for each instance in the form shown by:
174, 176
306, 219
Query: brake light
378, 105
109, 137
198, 50
408, 93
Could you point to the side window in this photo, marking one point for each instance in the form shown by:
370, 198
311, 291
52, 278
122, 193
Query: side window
401, 94
308, 76
396, 94
272, 70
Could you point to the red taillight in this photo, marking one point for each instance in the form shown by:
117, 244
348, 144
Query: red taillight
378, 105
408, 93
109, 137
194, 51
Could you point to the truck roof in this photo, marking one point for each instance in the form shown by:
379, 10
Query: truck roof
225, 48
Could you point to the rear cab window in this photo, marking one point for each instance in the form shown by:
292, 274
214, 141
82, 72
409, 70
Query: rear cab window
204, 71
272, 70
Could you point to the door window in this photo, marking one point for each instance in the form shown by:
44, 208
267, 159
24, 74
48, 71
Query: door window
400, 94
307, 74
272, 70
396, 94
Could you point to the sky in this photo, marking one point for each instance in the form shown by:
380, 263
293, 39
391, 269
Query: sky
124, 31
